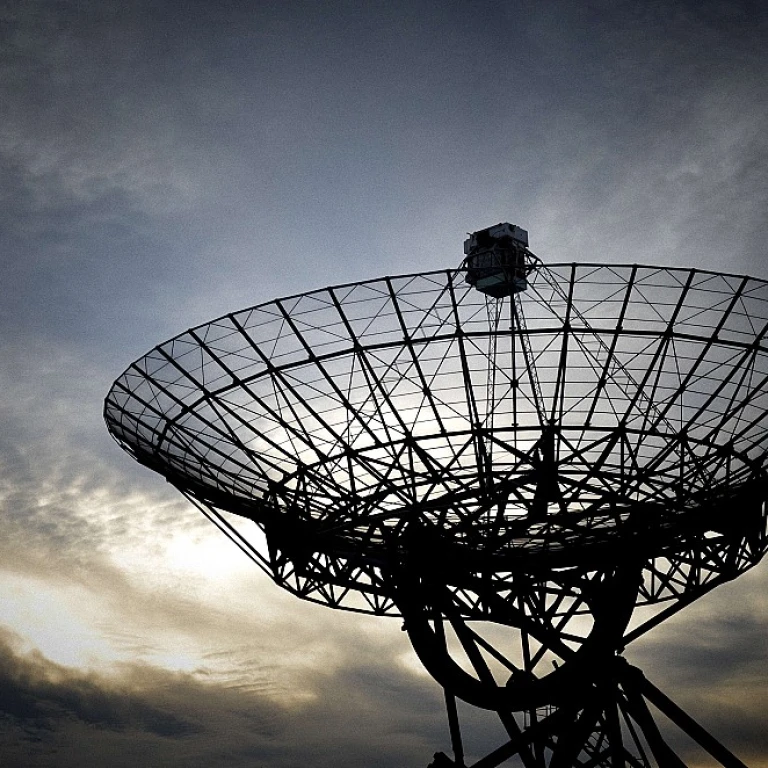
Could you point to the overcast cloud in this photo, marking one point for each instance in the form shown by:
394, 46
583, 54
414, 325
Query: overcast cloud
163, 163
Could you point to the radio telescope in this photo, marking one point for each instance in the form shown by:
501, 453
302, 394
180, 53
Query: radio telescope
530, 465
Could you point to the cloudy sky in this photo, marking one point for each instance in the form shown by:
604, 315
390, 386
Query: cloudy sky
162, 163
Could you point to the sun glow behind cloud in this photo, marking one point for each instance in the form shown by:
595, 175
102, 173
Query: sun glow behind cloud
62, 621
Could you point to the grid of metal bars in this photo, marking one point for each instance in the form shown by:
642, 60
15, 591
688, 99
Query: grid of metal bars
356, 409
543, 463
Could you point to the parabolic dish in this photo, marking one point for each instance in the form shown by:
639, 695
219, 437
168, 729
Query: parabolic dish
603, 404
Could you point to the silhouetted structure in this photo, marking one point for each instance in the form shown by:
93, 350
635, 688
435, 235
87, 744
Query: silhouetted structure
531, 465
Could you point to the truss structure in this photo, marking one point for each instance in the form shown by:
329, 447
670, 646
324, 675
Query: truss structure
530, 482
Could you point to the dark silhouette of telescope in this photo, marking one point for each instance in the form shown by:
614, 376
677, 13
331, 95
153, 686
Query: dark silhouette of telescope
531, 465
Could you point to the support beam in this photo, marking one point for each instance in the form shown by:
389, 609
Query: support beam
684, 721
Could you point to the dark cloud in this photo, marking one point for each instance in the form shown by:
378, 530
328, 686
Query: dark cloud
36, 694
358, 716
48, 708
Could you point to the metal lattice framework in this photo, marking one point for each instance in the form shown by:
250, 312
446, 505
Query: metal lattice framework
534, 467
